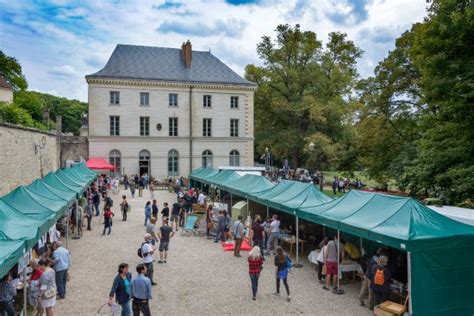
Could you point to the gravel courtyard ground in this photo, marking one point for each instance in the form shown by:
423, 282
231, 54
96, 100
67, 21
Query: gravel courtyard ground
199, 278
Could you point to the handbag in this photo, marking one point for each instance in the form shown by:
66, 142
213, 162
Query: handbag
49, 293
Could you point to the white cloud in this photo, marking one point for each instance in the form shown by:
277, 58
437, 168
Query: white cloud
73, 40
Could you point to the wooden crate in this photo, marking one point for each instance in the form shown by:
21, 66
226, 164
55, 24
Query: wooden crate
389, 308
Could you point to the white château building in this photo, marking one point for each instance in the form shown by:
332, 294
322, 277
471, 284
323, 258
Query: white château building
167, 111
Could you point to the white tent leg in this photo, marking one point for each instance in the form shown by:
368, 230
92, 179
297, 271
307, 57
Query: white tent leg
410, 300
338, 258
247, 208
67, 227
297, 263
268, 211
25, 293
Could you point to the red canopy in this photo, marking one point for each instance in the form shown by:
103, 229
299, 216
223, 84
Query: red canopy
99, 164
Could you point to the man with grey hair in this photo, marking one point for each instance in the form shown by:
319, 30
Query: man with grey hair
62, 261
147, 254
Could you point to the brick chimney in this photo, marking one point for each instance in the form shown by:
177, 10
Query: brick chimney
187, 51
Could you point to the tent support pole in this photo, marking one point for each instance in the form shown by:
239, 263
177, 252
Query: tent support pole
410, 297
230, 208
297, 261
76, 231
247, 208
268, 211
25, 292
67, 226
338, 245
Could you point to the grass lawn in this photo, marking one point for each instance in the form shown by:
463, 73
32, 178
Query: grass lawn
369, 183
328, 192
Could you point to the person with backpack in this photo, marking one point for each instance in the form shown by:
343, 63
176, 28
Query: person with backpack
124, 207
146, 253
283, 264
367, 279
108, 200
122, 289
380, 284
108, 214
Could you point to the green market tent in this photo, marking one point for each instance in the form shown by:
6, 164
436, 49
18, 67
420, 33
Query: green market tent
26, 213
439, 284
247, 185
287, 196
14, 225
223, 177
41, 187
53, 180
67, 178
10, 252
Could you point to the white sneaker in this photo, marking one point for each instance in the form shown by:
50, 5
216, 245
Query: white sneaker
288, 298
276, 293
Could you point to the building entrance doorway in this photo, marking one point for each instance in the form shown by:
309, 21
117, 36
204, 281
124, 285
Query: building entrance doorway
144, 162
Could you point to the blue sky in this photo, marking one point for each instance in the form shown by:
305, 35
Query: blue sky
58, 42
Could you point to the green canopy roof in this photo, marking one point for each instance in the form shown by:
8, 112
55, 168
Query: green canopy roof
14, 225
10, 252
67, 178
202, 174
53, 180
400, 222
247, 185
84, 169
75, 173
221, 178
40, 187
23, 202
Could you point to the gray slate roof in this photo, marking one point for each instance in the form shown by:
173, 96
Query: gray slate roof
167, 64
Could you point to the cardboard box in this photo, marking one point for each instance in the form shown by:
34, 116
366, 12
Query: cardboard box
389, 308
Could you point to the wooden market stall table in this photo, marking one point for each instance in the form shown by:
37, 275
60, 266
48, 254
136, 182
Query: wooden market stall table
291, 241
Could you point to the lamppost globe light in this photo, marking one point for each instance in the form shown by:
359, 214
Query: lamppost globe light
311, 146
266, 149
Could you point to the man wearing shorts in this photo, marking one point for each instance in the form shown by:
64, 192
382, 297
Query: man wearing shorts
330, 260
175, 212
165, 235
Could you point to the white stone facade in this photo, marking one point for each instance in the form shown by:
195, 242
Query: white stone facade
6, 95
159, 143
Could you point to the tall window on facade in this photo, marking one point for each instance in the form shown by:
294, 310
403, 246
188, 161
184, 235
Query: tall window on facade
144, 126
207, 101
207, 127
207, 158
144, 99
173, 126
114, 125
114, 97
115, 159
234, 128
173, 159
234, 102
173, 99
234, 158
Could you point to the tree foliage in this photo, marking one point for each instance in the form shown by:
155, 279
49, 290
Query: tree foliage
416, 125
11, 69
303, 94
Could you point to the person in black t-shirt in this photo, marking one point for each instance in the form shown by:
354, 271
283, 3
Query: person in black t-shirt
175, 212
154, 209
165, 212
165, 235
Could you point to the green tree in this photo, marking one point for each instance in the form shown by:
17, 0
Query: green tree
11, 69
11, 113
303, 92
443, 53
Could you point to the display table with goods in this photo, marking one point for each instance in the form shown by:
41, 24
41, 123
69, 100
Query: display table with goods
291, 241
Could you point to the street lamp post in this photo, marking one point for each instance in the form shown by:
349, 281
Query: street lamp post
321, 177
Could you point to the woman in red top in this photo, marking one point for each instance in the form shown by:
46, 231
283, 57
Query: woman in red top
255, 267
108, 214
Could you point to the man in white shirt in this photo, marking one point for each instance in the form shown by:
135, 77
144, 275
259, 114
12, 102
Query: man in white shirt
147, 254
202, 199
272, 242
